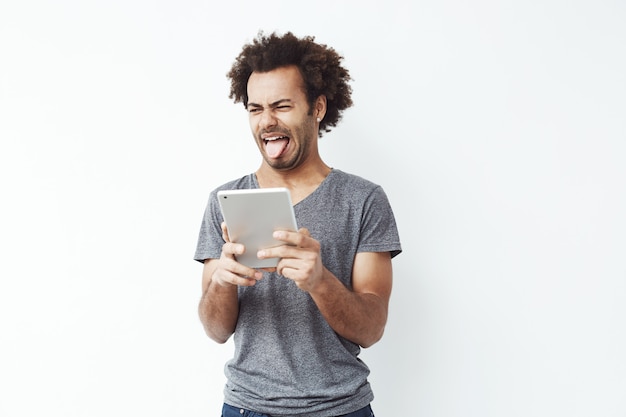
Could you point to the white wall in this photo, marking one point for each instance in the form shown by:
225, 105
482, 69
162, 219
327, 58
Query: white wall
497, 129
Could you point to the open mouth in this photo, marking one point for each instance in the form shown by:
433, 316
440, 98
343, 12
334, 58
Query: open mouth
275, 145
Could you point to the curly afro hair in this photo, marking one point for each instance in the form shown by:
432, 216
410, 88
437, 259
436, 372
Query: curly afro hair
319, 65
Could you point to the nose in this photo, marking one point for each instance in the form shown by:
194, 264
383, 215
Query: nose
267, 120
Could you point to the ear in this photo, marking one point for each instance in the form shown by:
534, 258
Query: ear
319, 107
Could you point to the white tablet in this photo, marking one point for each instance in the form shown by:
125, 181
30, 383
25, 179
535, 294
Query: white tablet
252, 216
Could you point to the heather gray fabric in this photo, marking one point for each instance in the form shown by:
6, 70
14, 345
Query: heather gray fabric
287, 360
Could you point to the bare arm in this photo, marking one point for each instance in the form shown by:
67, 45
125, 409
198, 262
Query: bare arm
358, 314
219, 306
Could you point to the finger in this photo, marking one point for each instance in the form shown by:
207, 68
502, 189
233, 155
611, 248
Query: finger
275, 252
294, 269
225, 232
291, 271
233, 249
231, 271
224, 276
291, 238
230, 251
291, 251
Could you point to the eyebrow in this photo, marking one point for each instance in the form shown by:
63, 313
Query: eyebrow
274, 104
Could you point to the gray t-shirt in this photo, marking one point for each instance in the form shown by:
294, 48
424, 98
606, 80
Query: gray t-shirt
288, 361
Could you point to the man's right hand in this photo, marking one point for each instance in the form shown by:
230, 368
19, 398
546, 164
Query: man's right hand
219, 307
226, 270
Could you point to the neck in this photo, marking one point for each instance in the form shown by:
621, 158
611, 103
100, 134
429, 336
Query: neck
300, 181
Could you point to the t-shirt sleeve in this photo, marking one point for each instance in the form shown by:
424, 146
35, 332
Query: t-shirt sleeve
379, 232
210, 240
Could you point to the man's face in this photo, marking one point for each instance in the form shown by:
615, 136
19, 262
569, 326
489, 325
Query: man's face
279, 117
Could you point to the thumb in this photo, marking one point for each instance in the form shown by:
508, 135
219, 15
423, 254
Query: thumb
225, 232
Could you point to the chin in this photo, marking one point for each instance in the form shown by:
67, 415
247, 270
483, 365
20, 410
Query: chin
281, 165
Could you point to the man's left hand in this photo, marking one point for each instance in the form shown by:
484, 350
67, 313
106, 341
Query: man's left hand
300, 258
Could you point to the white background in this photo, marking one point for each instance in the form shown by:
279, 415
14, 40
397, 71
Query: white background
497, 129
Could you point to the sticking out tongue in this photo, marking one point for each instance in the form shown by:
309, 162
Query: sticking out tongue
275, 148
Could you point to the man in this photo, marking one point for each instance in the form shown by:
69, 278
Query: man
298, 328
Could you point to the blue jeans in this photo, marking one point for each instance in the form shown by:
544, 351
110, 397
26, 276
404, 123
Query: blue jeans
230, 411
